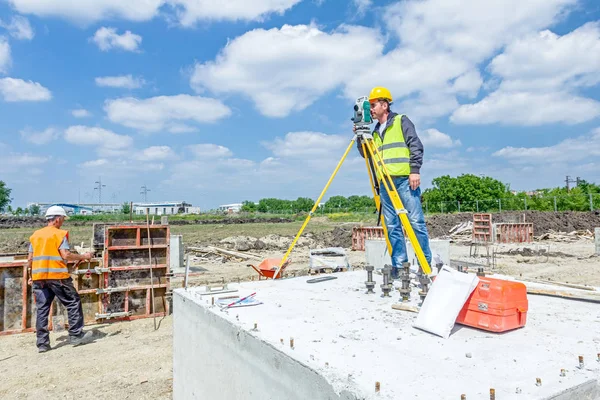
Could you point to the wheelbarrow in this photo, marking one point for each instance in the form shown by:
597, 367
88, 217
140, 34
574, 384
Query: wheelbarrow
268, 267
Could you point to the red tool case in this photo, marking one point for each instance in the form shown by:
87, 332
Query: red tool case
495, 305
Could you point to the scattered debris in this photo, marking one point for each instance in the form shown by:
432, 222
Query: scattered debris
572, 236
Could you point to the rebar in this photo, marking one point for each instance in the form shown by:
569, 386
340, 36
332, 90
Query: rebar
370, 283
405, 282
386, 286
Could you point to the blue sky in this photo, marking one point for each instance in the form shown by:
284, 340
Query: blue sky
219, 102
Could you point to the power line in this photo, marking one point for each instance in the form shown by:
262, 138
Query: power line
99, 189
145, 191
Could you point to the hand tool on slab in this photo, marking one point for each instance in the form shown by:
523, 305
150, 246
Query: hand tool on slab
240, 300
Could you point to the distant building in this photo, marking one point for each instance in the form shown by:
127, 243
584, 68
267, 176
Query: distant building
165, 208
82, 208
162, 208
230, 208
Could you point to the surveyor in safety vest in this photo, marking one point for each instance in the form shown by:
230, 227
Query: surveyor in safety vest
50, 277
396, 138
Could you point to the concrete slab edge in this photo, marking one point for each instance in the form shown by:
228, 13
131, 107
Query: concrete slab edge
589, 390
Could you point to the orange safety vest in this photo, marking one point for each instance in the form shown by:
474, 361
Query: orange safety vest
47, 262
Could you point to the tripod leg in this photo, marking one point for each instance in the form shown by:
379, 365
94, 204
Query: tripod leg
335, 171
400, 210
376, 196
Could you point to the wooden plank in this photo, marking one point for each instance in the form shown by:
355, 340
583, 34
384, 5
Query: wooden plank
405, 307
565, 284
564, 295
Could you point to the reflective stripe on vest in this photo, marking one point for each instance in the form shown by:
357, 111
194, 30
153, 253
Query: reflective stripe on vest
393, 149
47, 262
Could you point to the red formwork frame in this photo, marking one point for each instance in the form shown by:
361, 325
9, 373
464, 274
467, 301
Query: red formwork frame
25, 300
108, 248
23, 265
514, 232
103, 281
362, 233
482, 227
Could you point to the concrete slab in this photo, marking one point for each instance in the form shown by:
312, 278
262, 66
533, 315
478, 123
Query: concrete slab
345, 341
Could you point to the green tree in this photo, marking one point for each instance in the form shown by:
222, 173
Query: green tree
4, 196
274, 205
34, 209
336, 202
360, 203
248, 206
18, 211
468, 192
303, 204
125, 208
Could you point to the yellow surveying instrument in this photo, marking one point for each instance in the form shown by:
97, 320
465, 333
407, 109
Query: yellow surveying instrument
376, 167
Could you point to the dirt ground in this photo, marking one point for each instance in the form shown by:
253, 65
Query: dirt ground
131, 360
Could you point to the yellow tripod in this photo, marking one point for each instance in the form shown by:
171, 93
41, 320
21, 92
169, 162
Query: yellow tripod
376, 167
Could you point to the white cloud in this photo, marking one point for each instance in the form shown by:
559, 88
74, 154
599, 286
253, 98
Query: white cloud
5, 59
21, 164
186, 12
92, 136
308, 145
191, 11
568, 151
108, 38
547, 60
434, 138
362, 6
87, 11
121, 81
284, 70
164, 112
474, 33
528, 108
14, 90
209, 150
121, 171
438, 57
540, 76
155, 153
95, 163
46, 136
81, 113
181, 128
19, 28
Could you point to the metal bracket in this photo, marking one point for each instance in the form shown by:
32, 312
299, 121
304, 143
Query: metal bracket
111, 290
97, 271
113, 315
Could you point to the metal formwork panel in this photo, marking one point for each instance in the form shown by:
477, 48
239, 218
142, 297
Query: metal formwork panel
134, 265
514, 232
482, 227
362, 233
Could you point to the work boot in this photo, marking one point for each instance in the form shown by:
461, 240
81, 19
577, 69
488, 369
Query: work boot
45, 348
82, 338
395, 274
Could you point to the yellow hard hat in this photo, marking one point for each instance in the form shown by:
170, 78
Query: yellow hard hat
379, 92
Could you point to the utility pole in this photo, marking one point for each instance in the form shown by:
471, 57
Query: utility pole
145, 191
99, 189
569, 180
577, 180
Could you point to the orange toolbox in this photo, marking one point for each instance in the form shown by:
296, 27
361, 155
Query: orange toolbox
495, 305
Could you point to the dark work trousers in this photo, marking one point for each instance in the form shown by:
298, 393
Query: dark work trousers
45, 291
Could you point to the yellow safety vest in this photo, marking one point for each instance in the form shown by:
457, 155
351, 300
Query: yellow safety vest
393, 149
47, 262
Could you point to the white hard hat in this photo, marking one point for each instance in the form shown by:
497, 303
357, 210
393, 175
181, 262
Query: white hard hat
56, 210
